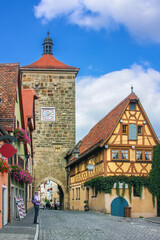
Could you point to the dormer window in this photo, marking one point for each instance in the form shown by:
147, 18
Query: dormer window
132, 106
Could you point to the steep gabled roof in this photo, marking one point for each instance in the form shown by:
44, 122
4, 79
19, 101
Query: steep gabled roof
28, 96
102, 131
9, 74
48, 62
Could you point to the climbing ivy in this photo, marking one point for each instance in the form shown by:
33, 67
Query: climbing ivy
152, 182
155, 174
105, 184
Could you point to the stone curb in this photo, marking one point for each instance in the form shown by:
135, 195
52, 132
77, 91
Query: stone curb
37, 232
153, 221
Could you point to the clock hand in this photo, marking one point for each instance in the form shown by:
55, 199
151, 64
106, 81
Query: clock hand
49, 113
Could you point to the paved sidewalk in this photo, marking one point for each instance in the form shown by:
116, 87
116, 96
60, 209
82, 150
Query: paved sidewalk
21, 230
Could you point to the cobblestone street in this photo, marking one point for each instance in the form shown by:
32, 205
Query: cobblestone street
69, 225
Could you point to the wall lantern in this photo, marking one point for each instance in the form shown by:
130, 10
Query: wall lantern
90, 167
144, 122
121, 120
76, 153
106, 146
133, 147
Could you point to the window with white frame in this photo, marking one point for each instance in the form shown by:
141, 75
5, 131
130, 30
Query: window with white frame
120, 154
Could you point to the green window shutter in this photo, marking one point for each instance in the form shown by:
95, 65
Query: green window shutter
132, 106
132, 132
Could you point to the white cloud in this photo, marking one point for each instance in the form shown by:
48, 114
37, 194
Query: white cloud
140, 17
97, 96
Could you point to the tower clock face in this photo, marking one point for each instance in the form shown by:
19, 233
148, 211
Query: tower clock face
48, 114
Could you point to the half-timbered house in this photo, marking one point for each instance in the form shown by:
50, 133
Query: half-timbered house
119, 144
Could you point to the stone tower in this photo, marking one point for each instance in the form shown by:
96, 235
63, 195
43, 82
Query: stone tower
54, 83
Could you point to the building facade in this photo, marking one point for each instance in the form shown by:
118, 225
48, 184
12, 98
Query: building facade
11, 117
54, 83
28, 98
121, 144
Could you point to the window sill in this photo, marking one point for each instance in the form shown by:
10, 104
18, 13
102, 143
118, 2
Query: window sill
144, 161
113, 160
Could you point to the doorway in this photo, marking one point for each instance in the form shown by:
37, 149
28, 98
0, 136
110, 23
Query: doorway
4, 205
117, 207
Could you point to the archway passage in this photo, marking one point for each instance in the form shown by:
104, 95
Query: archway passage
117, 207
51, 195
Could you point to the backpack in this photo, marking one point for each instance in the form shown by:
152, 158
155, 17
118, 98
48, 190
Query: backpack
33, 200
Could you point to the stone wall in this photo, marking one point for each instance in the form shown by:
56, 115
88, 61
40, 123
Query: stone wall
52, 140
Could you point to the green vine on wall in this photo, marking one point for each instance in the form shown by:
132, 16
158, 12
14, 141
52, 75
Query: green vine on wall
155, 175
105, 184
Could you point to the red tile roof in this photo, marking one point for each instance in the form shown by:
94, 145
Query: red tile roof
28, 96
48, 61
9, 74
104, 128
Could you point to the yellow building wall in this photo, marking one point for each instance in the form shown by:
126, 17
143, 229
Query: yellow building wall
94, 203
140, 207
109, 167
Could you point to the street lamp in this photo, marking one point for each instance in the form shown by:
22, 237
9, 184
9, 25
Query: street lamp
90, 167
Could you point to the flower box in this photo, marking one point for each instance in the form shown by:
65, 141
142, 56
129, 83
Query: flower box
4, 166
21, 175
21, 134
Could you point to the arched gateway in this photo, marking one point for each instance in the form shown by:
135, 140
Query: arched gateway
54, 83
60, 189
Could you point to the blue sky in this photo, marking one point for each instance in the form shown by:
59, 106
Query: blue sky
115, 44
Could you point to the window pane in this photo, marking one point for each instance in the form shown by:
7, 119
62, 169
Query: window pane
147, 155
124, 154
115, 154
124, 128
136, 191
139, 155
139, 129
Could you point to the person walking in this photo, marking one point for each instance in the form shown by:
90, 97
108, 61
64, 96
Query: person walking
36, 203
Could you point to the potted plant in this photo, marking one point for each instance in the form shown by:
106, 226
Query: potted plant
86, 208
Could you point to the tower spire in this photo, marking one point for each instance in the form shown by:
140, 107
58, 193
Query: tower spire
48, 45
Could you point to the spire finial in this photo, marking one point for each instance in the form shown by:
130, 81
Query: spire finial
48, 33
131, 88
